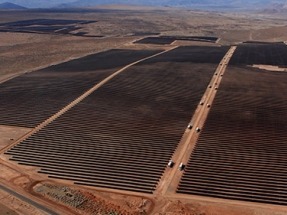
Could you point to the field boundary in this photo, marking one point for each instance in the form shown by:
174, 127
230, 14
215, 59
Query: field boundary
81, 98
8, 77
15, 75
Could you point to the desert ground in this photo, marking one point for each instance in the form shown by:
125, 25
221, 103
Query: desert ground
173, 89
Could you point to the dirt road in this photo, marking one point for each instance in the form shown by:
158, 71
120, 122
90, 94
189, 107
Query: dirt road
27, 200
170, 180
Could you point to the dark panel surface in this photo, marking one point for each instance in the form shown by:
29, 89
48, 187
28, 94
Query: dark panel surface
123, 135
42, 26
242, 150
266, 54
192, 38
162, 40
156, 40
45, 22
196, 54
31, 98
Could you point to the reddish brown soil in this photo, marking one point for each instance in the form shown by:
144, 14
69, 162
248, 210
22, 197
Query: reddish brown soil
25, 52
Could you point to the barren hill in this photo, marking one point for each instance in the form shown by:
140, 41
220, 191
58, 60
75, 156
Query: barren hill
11, 6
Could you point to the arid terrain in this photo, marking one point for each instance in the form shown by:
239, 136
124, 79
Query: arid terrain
39, 50
93, 110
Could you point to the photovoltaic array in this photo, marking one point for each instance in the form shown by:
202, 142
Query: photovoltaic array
32, 98
123, 135
263, 53
241, 152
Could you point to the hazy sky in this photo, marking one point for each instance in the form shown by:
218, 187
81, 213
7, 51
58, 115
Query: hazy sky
51, 3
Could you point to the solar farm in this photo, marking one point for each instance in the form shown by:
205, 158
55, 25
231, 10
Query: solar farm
174, 122
241, 151
47, 26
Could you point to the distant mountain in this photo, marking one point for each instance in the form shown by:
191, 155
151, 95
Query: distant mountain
276, 8
200, 4
11, 6
37, 3
196, 4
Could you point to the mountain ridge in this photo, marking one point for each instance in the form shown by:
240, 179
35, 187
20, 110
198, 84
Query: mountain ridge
243, 4
11, 6
196, 4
